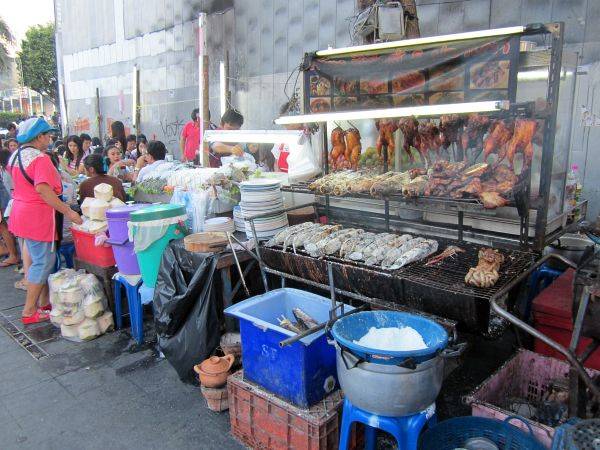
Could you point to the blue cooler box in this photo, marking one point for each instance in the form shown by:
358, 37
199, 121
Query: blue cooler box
302, 373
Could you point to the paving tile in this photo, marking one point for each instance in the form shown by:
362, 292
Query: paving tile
22, 378
48, 395
14, 359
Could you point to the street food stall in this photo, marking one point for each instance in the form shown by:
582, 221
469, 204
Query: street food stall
444, 172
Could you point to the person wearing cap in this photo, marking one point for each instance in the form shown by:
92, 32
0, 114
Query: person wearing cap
37, 185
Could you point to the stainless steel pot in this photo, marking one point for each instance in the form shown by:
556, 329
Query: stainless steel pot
389, 390
571, 246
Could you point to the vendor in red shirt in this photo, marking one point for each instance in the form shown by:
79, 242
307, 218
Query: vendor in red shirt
190, 137
37, 185
231, 120
282, 151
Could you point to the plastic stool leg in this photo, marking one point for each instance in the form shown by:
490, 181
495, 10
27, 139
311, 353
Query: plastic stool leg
135, 313
68, 255
346, 428
118, 310
370, 437
406, 430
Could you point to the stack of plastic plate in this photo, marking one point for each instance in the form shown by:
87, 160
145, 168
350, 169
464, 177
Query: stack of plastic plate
224, 224
262, 196
238, 219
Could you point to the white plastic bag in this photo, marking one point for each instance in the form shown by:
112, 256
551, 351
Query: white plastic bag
78, 304
304, 161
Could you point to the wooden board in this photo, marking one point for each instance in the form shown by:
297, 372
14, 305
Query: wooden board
206, 242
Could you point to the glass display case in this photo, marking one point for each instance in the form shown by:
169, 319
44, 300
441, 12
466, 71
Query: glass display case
464, 135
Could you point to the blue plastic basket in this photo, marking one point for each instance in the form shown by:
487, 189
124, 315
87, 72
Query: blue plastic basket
353, 327
453, 433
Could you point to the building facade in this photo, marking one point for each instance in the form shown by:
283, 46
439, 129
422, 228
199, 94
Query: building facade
100, 42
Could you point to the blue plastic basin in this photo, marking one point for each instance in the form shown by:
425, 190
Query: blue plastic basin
303, 372
353, 327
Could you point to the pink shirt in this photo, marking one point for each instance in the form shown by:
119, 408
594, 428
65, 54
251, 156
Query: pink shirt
31, 217
191, 134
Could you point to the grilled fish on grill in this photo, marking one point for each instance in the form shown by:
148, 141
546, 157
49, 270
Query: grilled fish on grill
280, 237
289, 238
332, 243
421, 251
396, 253
313, 236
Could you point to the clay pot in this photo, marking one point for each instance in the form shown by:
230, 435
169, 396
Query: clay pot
213, 372
217, 399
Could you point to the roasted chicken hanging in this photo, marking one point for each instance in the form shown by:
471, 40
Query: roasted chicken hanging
353, 147
338, 150
521, 141
485, 274
473, 132
409, 126
500, 134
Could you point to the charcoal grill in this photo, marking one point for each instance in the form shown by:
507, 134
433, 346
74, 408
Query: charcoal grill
439, 289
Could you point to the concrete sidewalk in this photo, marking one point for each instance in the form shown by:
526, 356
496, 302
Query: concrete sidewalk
87, 395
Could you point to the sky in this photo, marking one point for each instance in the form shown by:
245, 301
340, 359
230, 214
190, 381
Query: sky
22, 14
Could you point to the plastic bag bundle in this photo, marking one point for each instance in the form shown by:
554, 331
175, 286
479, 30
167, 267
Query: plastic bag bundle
200, 203
104, 192
79, 305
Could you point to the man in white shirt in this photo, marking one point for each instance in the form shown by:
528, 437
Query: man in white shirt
149, 162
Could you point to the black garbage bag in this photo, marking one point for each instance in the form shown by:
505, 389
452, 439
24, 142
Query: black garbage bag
185, 310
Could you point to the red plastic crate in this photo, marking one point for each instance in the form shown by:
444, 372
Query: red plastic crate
553, 316
527, 375
86, 250
262, 421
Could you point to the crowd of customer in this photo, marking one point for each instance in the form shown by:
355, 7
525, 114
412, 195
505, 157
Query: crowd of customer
43, 178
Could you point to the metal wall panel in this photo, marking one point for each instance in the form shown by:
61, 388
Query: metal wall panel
428, 19
327, 22
505, 13
266, 37
451, 17
476, 15
280, 36
572, 12
344, 10
295, 35
311, 25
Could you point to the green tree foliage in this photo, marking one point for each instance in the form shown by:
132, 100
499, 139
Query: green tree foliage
38, 60
6, 39
9, 117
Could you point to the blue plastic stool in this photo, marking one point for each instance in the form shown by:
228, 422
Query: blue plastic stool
67, 251
405, 429
136, 311
540, 279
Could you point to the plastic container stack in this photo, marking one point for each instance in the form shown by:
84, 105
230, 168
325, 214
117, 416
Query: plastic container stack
119, 238
89, 237
78, 305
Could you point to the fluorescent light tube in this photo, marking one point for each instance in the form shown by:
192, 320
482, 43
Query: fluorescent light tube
290, 137
222, 85
422, 41
388, 113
